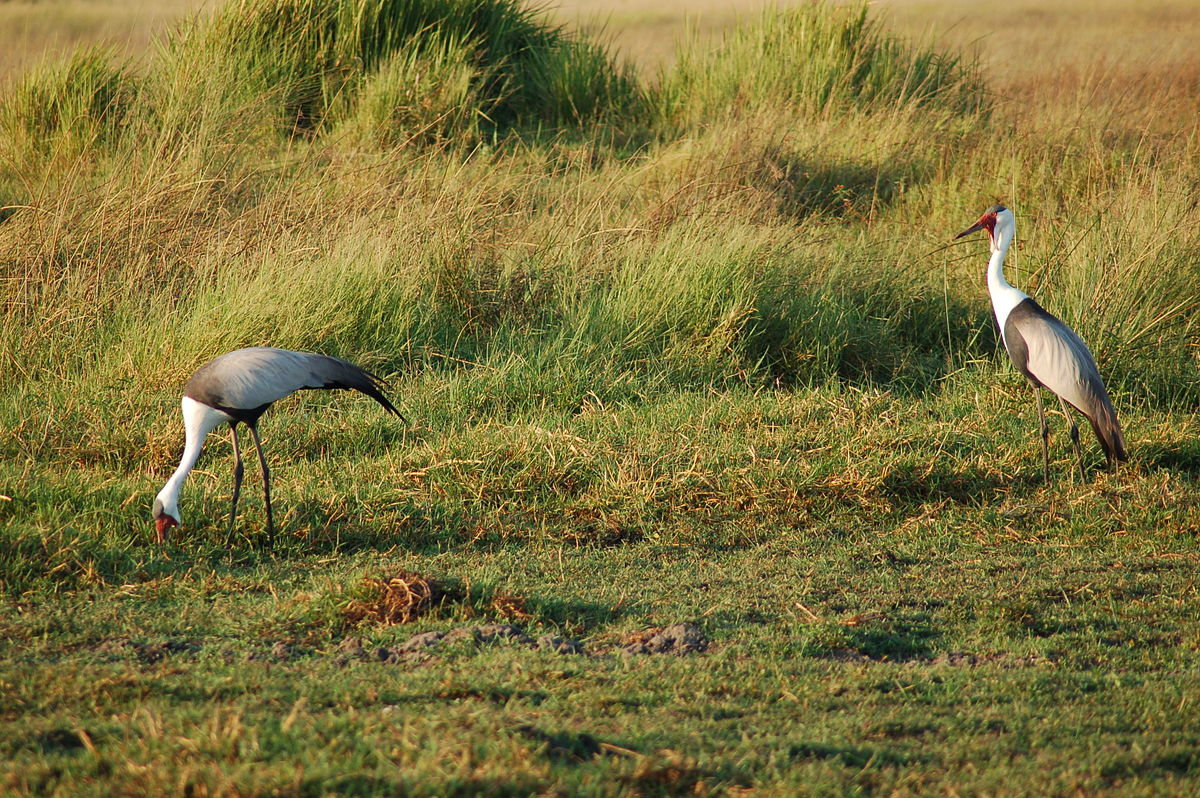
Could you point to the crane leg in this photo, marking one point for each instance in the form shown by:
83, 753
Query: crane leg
238, 472
1044, 431
1066, 408
266, 477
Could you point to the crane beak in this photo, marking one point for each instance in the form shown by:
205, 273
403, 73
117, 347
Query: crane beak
973, 228
163, 523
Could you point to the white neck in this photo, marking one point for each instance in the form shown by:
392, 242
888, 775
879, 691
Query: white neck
198, 420
1004, 296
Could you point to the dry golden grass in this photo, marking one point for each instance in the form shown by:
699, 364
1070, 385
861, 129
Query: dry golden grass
1132, 63
646, 33
30, 31
399, 599
1048, 51
1025, 42
1106, 64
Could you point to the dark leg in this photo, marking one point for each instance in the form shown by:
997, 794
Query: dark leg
1066, 408
1044, 431
238, 471
266, 476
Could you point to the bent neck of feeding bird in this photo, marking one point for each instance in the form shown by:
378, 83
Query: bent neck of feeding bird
1004, 296
198, 420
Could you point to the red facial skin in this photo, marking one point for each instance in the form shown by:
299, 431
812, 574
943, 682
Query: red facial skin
989, 223
162, 524
986, 222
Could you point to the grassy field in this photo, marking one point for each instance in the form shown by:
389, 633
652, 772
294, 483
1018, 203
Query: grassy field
682, 338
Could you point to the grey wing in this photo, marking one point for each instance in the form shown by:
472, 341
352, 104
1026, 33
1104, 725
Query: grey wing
257, 376
1061, 361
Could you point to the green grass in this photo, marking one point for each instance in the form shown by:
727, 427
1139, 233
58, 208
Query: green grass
811, 55
683, 349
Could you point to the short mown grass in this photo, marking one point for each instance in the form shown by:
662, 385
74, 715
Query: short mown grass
691, 347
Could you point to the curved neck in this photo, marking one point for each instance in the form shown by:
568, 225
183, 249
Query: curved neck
198, 420
1004, 296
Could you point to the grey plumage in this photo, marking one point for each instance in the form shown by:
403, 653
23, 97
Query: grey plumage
237, 388
1050, 354
1046, 351
245, 382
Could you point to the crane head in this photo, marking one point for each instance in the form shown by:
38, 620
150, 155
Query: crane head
993, 216
163, 521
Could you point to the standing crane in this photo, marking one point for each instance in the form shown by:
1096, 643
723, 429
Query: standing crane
1046, 350
237, 388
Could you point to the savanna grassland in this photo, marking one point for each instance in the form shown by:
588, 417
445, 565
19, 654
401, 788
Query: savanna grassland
681, 337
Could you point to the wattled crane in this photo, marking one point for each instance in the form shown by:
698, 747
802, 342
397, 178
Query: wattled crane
1046, 350
237, 388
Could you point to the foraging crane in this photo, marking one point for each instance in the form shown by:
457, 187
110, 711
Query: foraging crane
1046, 350
237, 388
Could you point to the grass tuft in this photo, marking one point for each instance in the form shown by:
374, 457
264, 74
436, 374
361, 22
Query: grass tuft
399, 599
813, 55
62, 111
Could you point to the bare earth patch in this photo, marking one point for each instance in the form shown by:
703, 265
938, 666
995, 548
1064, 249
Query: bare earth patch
679, 639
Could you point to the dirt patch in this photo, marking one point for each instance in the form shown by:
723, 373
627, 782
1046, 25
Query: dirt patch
678, 639
963, 659
147, 653
559, 645
280, 651
847, 655
952, 659
422, 646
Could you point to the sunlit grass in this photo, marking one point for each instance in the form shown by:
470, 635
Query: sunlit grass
681, 342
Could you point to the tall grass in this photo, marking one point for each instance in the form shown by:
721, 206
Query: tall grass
64, 110
305, 57
358, 195
811, 55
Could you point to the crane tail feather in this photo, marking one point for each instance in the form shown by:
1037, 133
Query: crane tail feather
1108, 432
353, 377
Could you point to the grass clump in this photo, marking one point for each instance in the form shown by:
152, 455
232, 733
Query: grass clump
425, 93
398, 599
491, 63
811, 56
63, 110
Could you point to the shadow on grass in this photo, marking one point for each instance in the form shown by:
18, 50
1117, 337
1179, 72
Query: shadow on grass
563, 746
58, 741
371, 786
1183, 455
574, 615
897, 639
847, 755
311, 528
808, 186
69, 559
1177, 760
866, 330
910, 483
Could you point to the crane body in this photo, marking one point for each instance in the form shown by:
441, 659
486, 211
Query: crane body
237, 388
1046, 351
